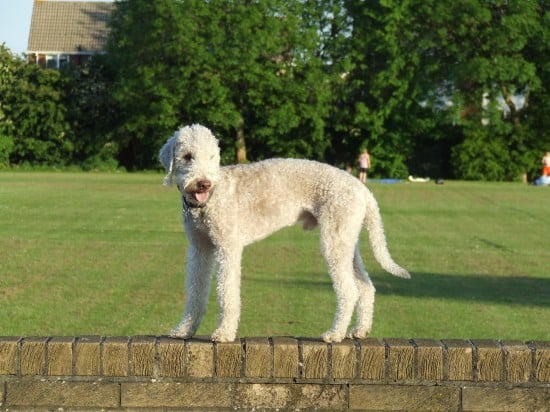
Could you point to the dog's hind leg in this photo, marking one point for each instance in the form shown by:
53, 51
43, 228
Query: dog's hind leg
338, 253
365, 304
199, 269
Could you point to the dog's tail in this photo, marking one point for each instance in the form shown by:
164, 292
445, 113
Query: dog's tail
377, 239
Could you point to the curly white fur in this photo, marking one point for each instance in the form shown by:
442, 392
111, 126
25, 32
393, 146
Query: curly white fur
227, 208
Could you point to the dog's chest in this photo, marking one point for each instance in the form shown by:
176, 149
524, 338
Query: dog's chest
196, 219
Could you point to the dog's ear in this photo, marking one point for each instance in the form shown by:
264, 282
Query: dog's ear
166, 157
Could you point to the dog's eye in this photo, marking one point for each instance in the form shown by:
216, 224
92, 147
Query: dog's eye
188, 157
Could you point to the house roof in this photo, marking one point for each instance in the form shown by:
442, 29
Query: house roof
69, 26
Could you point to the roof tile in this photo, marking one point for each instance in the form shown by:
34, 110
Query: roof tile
69, 26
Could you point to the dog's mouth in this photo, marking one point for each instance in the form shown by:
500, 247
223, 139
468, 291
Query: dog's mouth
201, 197
196, 199
197, 194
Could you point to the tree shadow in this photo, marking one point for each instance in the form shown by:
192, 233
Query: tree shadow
95, 24
502, 289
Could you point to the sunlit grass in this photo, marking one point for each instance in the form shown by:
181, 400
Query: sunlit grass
104, 254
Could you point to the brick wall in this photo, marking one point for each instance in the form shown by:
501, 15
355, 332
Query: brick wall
119, 373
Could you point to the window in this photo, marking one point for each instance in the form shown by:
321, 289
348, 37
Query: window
57, 61
51, 61
64, 60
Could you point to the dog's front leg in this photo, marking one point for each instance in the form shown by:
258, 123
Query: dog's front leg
199, 269
229, 291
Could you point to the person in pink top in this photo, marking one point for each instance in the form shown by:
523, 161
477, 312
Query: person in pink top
364, 164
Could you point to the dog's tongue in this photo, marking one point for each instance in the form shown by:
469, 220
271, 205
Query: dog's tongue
201, 197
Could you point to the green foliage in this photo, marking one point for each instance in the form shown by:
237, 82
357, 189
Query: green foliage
380, 87
536, 116
9, 67
478, 57
6, 147
481, 156
92, 114
445, 89
247, 70
33, 125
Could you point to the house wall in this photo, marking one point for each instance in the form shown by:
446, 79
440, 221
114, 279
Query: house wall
155, 373
56, 61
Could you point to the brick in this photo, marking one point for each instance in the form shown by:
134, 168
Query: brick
344, 360
404, 398
229, 359
200, 358
115, 356
285, 358
143, 355
264, 396
400, 359
291, 396
62, 394
490, 361
542, 361
8, 355
172, 357
87, 356
314, 359
373, 359
429, 354
33, 356
257, 358
518, 361
326, 397
175, 394
60, 356
505, 399
460, 361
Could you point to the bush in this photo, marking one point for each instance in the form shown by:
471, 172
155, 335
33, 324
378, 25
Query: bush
6, 146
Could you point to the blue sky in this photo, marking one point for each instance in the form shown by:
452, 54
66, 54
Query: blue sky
15, 20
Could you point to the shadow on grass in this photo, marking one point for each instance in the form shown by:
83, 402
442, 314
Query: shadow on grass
513, 290
502, 289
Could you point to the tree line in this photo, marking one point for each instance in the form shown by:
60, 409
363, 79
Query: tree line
456, 89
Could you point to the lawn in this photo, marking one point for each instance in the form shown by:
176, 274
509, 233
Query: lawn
103, 254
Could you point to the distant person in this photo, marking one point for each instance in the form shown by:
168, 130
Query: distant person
364, 164
546, 164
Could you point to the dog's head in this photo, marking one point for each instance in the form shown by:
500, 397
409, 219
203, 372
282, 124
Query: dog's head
191, 157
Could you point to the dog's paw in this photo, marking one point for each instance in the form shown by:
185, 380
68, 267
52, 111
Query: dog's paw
331, 336
358, 333
180, 333
219, 336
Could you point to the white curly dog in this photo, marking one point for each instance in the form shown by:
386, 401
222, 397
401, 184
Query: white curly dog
227, 208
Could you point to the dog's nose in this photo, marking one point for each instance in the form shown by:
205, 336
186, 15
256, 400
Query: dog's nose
204, 185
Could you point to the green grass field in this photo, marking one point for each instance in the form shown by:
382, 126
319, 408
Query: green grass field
103, 254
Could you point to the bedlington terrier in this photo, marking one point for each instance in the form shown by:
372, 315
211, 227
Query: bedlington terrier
227, 208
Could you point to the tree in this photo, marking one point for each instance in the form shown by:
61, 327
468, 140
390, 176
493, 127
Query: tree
334, 25
32, 116
92, 113
536, 114
463, 63
380, 84
474, 54
246, 69
9, 66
